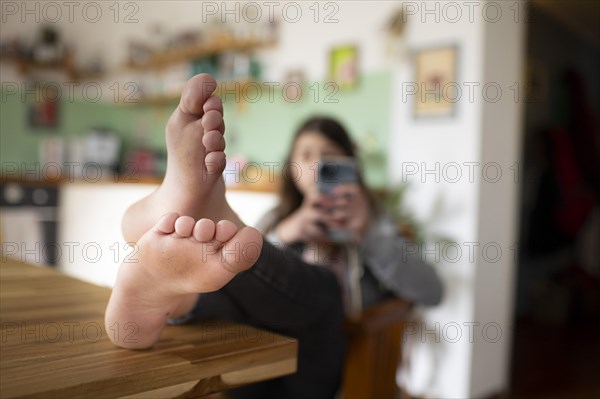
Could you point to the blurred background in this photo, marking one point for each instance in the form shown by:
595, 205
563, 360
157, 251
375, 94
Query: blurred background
478, 119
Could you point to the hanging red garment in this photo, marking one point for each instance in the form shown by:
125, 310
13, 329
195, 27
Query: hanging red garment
576, 200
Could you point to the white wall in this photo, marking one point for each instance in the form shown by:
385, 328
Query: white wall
501, 131
92, 246
442, 369
472, 213
306, 44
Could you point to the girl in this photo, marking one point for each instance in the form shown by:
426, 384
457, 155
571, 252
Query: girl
304, 217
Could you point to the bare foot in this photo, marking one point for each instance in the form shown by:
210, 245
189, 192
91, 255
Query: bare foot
179, 257
186, 256
193, 184
176, 259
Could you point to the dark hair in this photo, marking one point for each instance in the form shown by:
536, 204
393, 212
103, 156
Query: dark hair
290, 198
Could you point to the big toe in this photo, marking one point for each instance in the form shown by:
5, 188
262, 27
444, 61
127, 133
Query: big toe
242, 250
197, 91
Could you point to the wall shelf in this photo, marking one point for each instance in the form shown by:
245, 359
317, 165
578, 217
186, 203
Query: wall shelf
241, 89
159, 61
177, 55
26, 66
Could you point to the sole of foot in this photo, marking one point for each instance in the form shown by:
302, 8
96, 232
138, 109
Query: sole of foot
191, 256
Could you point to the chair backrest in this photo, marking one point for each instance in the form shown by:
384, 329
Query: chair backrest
374, 350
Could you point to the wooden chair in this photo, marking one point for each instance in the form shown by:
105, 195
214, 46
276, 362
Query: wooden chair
374, 351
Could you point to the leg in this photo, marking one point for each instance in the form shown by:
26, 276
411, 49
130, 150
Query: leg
286, 295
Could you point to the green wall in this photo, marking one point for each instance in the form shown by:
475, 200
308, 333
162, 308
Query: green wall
261, 130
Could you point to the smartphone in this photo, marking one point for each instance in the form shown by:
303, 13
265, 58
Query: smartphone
331, 173
336, 171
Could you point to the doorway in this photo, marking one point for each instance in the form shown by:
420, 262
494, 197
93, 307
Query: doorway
556, 348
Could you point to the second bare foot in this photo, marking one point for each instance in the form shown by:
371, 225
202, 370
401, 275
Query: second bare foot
193, 184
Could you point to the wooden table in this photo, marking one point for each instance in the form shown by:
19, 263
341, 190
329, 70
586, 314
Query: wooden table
54, 345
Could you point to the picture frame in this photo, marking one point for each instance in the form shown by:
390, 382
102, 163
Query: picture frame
435, 76
343, 66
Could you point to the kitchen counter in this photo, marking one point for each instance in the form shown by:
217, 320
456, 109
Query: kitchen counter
89, 244
259, 187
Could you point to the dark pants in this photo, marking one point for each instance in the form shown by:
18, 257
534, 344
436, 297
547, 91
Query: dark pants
282, 293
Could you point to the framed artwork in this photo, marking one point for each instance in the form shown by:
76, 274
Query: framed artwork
343, 66
435, 77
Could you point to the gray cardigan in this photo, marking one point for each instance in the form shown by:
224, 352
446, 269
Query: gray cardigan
388, 268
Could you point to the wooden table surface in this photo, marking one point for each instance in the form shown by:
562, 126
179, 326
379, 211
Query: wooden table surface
54, 345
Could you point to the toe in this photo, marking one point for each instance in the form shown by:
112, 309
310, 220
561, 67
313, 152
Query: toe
184, 226
225, 230
213, 103
196, 92
215, 163
213, 141
204, 230
213, 120
166, 223
242, 250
